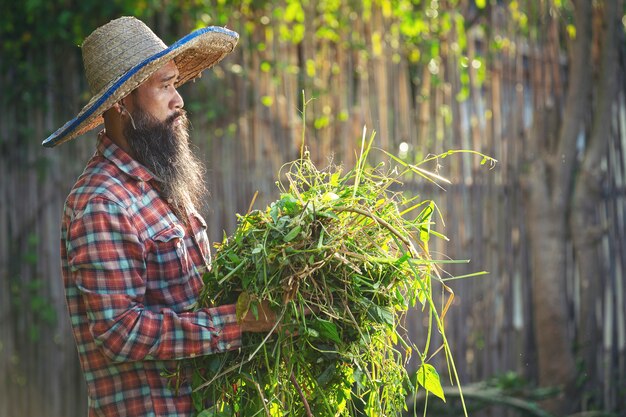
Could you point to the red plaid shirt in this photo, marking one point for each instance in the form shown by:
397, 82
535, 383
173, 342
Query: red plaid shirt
132, 272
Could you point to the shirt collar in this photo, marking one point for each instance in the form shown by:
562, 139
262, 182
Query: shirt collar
112, 152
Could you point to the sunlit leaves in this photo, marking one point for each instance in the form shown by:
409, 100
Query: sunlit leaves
377, 46
291, 18
571, 31
294, 12
321, 122
519, 16
428, 378
267, 101
266, 66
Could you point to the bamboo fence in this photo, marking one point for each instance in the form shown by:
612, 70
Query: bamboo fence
244, 140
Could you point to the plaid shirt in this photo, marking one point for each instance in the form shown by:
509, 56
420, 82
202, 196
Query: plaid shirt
132, 272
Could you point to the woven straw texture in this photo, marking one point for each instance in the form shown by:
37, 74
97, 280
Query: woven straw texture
123, 53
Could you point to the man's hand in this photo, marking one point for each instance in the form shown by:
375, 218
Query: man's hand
265, 322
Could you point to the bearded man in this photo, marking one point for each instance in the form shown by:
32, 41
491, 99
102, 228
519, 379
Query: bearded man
133, 245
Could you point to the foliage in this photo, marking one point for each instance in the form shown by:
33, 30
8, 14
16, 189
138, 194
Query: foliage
30, 29
28, 294
342, 248
416, 29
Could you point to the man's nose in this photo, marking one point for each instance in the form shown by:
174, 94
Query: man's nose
178, 101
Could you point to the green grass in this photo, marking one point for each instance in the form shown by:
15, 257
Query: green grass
352, 249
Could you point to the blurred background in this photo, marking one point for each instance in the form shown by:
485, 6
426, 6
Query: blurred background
537, 84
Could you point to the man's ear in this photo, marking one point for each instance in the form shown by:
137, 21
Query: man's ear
118, 107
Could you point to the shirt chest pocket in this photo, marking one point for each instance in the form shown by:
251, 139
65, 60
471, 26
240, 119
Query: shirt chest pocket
168, 261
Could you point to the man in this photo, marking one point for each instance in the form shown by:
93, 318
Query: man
133, 245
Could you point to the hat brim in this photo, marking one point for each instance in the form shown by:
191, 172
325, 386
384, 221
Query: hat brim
194, 53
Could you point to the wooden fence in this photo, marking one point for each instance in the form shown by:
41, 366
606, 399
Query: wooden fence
247, 122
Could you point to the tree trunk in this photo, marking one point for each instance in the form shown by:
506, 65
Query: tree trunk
553, 162
587, 230
547, 226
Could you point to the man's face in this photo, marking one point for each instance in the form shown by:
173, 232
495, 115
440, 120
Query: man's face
157, 95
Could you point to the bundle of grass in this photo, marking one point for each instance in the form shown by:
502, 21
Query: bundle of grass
340, 257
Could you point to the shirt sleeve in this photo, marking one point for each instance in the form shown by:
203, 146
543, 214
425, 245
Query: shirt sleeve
107, 263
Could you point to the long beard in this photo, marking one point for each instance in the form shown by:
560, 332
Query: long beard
165, 151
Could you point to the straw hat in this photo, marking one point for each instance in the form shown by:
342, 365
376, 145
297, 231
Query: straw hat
122, 54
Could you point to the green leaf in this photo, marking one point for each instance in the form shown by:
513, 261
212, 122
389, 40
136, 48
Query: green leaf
198, 401
288, 202
402, 259
381, 314
242, 306
481, 4
215, 363
214, 412
428, 377
327, 329
233, 257
425, 218
274, 212
400, 299
311, 332
326, 376
292, 234
327, 214
255, 310
359, 377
